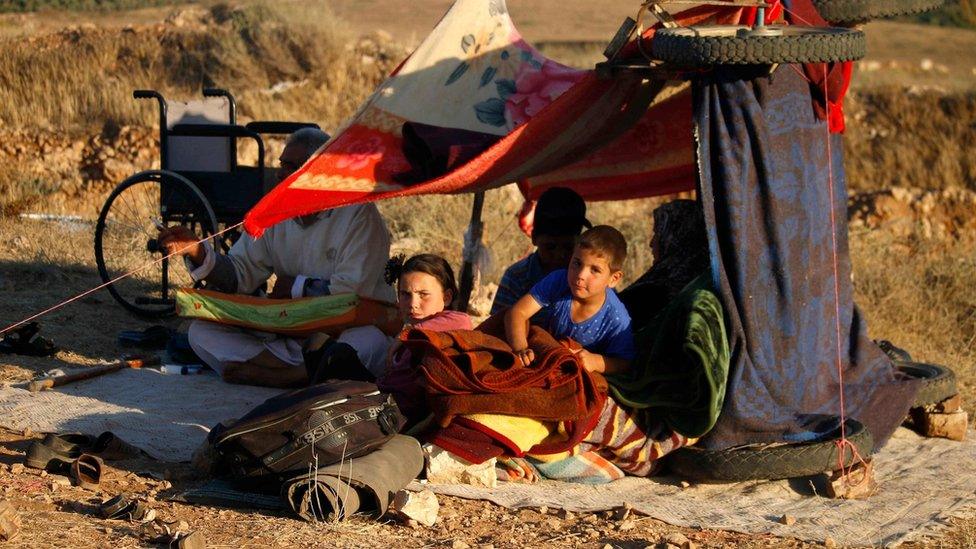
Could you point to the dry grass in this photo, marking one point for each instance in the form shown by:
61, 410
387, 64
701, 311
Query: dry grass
69, 80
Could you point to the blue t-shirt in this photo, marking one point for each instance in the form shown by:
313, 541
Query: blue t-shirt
606, 333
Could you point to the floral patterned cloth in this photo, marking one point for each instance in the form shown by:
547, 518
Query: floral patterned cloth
607, 138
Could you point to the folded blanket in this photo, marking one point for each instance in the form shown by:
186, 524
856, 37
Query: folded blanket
363, 484
294, 317
584, 468
682, 364
470, 372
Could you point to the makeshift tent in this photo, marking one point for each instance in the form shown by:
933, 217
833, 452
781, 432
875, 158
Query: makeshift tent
476, 107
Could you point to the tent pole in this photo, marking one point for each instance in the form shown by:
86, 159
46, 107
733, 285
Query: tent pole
475, 229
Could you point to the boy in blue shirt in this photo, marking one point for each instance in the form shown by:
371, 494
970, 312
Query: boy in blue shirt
582, 305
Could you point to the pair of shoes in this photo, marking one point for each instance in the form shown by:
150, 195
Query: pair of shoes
27, 341
56, 452
67, 459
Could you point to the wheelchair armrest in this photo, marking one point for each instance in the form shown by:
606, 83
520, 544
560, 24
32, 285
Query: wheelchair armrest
219, 130
279, 127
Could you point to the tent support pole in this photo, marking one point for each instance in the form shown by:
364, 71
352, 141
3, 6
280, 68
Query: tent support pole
475, 229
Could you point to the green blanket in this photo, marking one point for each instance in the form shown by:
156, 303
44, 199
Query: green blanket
682, 364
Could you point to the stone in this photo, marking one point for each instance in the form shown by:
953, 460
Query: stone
17, 468
458, 544
543, 510
950, 425
788, 520
626, 525
829, 542
9, 521
566, 514
949, 405
554, 524
418, 506
443, 467
676, 538
607, 546
622, 512
858, 482
685, 484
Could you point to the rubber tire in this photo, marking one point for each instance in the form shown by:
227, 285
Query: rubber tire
143, 177
859, 11
775, 462
938, 382
696, 47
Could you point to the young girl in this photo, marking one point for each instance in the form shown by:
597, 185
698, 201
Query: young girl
425, 289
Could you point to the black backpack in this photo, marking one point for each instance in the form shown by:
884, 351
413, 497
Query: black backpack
306, 428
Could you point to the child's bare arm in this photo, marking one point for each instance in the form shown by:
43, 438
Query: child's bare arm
603, 364
517, 326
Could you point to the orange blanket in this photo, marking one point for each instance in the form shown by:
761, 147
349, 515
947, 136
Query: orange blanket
470, 372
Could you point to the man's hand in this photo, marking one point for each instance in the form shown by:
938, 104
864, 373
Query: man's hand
181, 241
282, 287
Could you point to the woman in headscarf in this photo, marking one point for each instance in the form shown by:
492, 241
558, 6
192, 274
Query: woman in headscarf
680, 248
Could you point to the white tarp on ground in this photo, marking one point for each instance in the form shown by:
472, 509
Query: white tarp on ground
168, 416
922, 483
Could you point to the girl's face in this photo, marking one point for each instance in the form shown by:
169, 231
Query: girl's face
420, 296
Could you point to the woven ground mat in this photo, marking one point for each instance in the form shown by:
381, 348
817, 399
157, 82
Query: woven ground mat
168, 416
922, 483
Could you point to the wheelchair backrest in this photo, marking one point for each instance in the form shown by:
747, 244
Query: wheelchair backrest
199, 154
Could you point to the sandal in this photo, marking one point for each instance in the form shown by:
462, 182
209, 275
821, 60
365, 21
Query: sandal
86, 471
69, 442
27, 341
111, 447
42, 456
122, 508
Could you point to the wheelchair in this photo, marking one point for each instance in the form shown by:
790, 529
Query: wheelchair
199, 185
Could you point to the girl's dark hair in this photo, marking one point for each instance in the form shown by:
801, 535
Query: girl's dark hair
434, 265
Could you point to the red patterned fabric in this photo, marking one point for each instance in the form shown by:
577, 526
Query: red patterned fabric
607, 139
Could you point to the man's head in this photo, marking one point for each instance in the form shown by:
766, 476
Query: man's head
298, 148
560, 215
597, 262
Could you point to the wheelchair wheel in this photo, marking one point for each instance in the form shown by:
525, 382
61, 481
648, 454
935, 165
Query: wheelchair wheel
738, 45
125, 239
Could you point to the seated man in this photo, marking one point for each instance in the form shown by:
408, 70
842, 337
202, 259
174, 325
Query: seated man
343, 250
560, 216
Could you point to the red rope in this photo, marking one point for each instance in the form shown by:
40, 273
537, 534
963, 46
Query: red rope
110, 282
843, 443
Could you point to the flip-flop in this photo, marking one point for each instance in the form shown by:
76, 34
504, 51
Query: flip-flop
111, 447
122, 508
42, 456
68, 442
86, 471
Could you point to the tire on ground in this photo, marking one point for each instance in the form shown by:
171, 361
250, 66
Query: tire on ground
720, 45
859, 11
938, 382
770, 461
